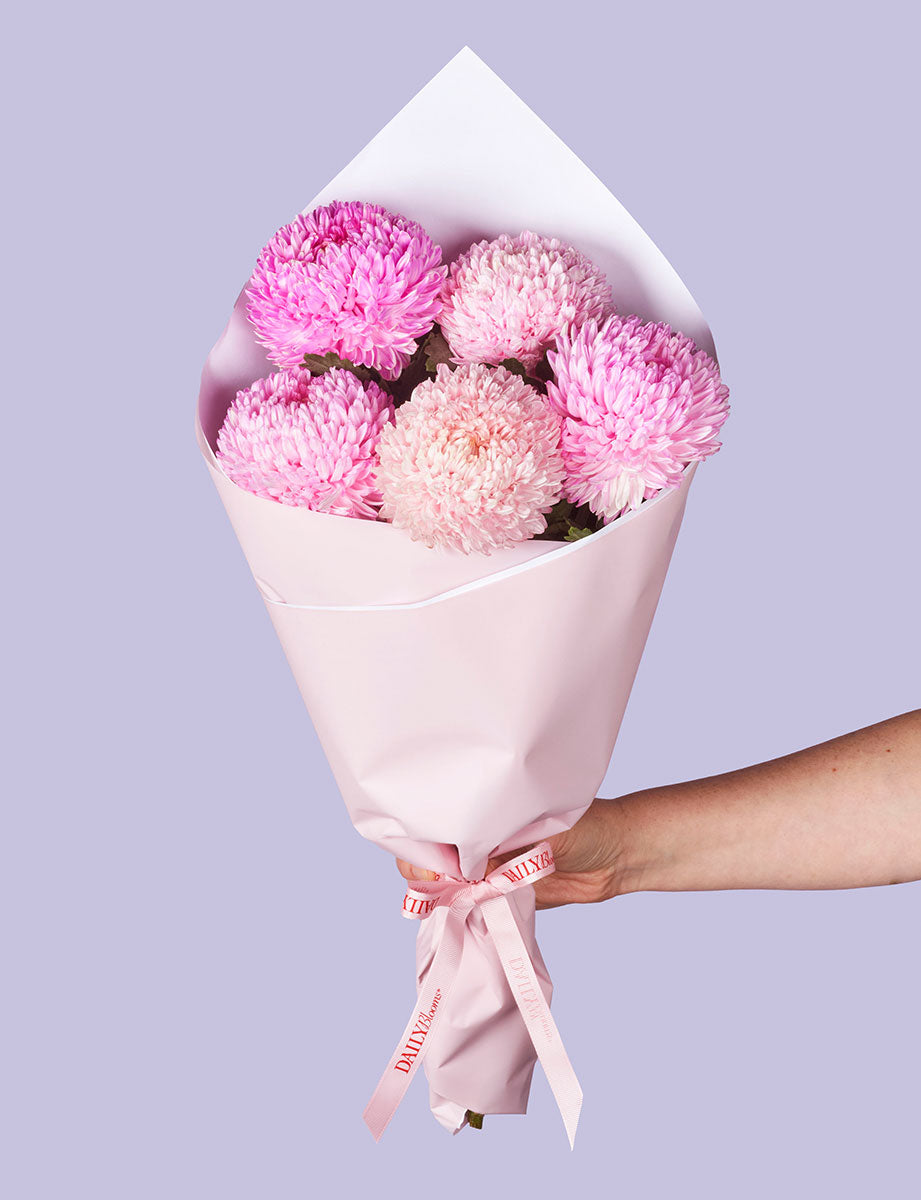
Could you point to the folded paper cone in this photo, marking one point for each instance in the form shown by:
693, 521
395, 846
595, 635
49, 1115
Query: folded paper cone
468, 704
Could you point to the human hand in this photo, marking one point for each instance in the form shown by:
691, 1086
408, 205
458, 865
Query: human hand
842, 814
586, 859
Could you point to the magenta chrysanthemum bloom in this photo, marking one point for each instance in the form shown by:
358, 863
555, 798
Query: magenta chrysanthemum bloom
307, 441
350, 278
512, 297
639, 403
472, 461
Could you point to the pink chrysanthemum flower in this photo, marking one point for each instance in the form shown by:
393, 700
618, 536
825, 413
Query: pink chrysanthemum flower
512, 297
472, 461
350, 278
307, 441
639, 403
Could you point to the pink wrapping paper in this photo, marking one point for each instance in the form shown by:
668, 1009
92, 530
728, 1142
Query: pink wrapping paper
467, 704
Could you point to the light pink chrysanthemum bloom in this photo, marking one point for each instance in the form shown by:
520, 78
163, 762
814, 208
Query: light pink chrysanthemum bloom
472, 461
512, 297
307, 441
350, 278
639, 403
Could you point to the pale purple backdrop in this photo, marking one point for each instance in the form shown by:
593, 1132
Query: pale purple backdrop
178, 1018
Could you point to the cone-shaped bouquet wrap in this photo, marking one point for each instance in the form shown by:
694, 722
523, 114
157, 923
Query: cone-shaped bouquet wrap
468, 704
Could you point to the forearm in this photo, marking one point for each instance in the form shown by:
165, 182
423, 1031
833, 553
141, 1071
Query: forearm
843, 814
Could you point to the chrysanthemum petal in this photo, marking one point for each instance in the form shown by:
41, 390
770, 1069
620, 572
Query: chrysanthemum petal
472, 461
307, 441
511, 298
350, 278
639, 402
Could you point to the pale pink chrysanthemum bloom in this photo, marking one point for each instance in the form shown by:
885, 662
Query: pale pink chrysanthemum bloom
512, 297
472, 460
307, 441
639, 402
350, 278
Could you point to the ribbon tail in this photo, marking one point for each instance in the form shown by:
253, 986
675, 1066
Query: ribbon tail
523, 981
417, 1035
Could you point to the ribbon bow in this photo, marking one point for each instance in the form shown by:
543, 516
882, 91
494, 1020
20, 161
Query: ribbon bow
461, 896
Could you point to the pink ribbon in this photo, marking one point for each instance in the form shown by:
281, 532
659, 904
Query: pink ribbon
461, 896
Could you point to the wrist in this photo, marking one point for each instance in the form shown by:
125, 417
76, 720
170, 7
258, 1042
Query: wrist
643, 843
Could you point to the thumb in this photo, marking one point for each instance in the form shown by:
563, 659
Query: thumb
408, 871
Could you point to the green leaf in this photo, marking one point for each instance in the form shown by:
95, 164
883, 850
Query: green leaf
319, 364
575, 533
402, 388
567, 523
559, 518
437, 351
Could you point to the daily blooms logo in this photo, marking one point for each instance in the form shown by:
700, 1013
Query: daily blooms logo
533, 865
416, 1039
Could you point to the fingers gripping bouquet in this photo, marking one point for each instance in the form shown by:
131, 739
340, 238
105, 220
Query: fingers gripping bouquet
454, 419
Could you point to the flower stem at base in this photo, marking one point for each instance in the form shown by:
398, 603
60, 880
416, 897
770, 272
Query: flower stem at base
474, 1120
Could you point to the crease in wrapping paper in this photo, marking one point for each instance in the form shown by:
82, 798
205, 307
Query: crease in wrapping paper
467, 704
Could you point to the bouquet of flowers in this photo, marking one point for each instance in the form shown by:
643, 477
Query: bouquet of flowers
458, 471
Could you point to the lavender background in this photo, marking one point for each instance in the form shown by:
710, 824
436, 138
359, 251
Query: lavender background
170, 824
